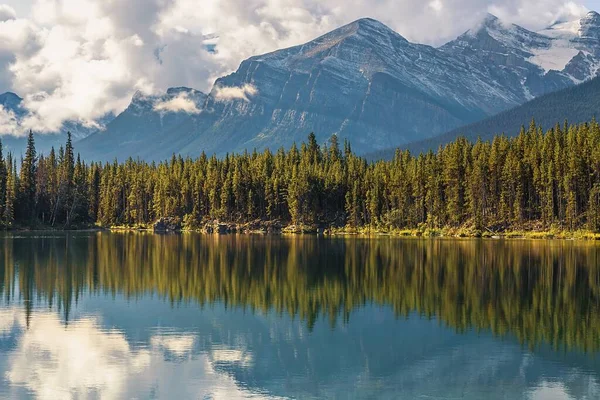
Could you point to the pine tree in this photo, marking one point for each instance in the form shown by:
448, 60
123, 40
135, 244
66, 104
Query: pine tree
67, 182
94, 182
3, 183
27, 190
11, 192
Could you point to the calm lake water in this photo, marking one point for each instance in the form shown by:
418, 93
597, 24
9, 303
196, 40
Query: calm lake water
116, 316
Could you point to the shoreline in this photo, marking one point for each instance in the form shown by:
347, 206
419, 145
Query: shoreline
244, 229
516, 234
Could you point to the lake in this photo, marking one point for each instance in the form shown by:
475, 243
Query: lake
133, 315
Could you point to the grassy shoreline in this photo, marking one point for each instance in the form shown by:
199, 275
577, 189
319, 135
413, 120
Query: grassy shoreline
465, 233
374, 232
448, 232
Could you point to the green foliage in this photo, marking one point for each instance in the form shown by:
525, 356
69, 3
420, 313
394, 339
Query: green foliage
3, 181
27, 182
533, 181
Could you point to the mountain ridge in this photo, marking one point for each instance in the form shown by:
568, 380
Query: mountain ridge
577, 104
363, 82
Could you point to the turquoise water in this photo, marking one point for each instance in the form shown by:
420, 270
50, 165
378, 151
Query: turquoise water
113, 316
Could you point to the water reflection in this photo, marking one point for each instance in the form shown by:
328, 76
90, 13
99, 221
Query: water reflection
129, 315
88, 360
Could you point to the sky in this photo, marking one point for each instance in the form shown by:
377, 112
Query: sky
80, 59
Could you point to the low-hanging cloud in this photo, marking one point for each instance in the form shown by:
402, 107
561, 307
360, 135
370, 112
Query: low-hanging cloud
226, 93
9, 122
7, 13
181, 103
81, 59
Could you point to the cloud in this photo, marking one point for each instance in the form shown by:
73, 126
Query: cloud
225, 93
81, 59
537, 14
9, 123
180, 103
7, 12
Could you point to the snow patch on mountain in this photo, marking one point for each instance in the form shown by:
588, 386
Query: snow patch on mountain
573, 44
367, 84
554, 58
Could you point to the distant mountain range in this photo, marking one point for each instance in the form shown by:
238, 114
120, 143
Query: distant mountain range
363, 82
576, 104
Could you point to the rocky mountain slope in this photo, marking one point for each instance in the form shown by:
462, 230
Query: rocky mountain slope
363, 82
576, 104
149, 128
366, 83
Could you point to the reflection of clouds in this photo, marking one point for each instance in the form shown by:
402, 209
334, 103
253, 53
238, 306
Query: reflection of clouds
9, 319
83, 360
180, 345
550, 391
234, 357
53, 361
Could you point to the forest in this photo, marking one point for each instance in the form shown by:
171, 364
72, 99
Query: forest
534, 181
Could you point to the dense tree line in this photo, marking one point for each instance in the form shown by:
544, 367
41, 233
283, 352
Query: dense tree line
535, 180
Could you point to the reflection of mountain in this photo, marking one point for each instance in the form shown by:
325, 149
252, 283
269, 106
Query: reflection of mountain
505, 287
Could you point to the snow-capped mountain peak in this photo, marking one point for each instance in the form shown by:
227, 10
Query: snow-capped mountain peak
366, 33
574, 47
489, 23
363, 82
568, 48
495, 35
585, 27
589, 26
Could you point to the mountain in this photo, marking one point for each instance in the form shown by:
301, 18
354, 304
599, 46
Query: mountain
365, 83
565, 52
576, 104
12, 107
11, 102
148, 128
353, 81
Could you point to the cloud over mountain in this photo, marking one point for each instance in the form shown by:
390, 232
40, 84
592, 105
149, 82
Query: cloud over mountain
243, 92
180, 103
81, 59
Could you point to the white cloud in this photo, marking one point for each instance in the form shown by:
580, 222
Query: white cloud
180, 103
436, 5
80, 59
9, 123
226, 93
7, 12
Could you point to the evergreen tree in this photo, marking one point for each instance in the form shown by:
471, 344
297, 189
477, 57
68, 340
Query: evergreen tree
11, 192
3, 183
532, 180
27, 184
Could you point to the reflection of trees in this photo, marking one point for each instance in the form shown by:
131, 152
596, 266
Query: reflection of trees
539, 291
